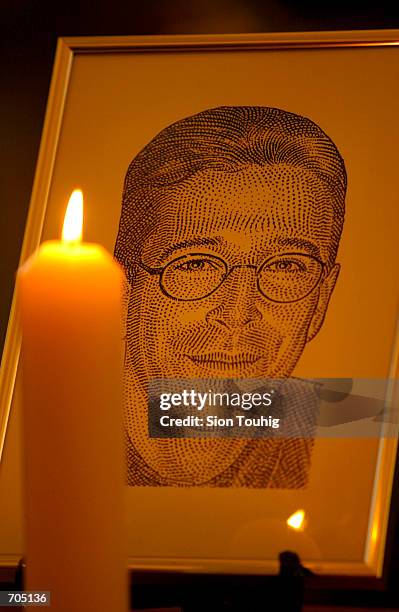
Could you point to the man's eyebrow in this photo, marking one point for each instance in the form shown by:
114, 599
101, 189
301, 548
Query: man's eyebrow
306, 245
193, 242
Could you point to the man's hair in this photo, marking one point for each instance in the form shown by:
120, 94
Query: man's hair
227, 138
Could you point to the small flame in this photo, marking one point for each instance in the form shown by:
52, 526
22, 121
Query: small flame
296, 520
73, 222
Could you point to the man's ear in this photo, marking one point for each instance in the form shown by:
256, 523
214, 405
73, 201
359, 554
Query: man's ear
325, 291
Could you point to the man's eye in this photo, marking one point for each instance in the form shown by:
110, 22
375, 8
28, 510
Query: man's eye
287, 265
195, 265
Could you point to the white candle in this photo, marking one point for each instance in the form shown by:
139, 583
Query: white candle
69, 295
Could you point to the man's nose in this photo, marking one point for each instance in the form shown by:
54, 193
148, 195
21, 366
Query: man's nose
237, 300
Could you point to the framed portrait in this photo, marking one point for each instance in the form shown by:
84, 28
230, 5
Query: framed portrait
247, 184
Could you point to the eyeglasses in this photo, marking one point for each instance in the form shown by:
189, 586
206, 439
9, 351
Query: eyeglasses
285, 278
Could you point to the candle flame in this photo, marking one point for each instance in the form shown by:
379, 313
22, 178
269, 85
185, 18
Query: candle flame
73, 222
296, 520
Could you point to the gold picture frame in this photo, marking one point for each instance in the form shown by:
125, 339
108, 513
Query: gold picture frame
187, 53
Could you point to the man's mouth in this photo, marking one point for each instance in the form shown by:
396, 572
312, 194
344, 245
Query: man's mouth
224, 360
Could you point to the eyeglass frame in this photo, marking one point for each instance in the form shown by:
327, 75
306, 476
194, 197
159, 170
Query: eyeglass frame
160, 271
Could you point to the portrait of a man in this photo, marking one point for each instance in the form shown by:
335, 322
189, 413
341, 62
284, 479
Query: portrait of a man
228, 235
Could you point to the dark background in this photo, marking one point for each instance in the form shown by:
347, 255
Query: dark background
29, 31
28, 36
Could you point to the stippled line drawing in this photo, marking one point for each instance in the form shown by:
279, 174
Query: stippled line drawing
228, 235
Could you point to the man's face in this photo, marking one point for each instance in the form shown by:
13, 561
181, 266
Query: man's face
243, 218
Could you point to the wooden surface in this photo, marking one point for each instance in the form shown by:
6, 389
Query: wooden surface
345, 609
